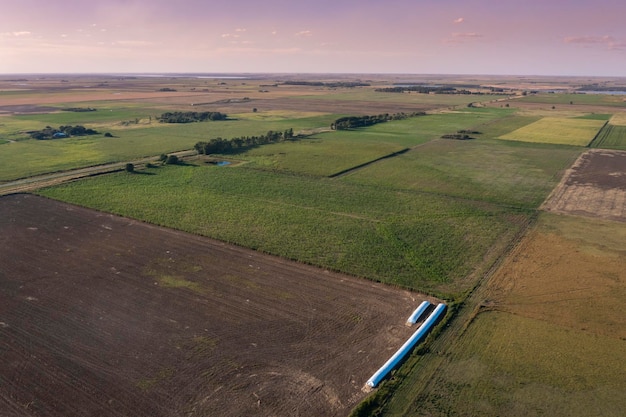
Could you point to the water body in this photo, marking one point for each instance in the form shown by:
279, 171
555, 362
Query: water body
220, 77
611, 93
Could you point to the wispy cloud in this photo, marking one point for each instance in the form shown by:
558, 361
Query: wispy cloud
456, 37
608, 42
258, 51
16, 34
459, 20
304, 33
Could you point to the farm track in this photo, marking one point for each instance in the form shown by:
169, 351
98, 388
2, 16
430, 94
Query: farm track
40, 181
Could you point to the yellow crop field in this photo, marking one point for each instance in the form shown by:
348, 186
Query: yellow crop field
557, 130
618, 119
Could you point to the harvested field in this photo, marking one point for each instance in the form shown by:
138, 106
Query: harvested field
595, 186
102, 315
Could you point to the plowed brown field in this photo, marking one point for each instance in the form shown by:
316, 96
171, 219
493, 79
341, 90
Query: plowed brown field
595, 186
102, 315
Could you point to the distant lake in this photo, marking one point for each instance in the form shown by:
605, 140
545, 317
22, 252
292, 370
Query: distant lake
221, 77
611, 93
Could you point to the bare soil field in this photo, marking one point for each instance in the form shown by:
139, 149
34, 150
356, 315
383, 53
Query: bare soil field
102, 315
595, 186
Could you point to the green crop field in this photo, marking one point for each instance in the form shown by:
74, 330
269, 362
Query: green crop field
564, 131
611, 137
320, 155
415, 98
512, 173
416, 240
576, 99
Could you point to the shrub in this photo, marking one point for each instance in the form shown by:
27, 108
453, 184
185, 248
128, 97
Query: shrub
171, 160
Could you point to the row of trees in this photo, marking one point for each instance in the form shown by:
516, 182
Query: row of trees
222, 146
352, 122
62, 132
427, 90
424, 89
79, 109
332, 84
190, 116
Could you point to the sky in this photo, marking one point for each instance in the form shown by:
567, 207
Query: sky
508, 37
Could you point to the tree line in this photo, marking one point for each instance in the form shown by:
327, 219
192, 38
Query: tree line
190, 116
332, 84
79, 109
63, 131
426, 90
351, 122
221, 146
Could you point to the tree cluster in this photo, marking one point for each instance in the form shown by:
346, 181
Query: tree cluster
80, 109
352, 122
62, 131
190, 116
238, 144
461, 135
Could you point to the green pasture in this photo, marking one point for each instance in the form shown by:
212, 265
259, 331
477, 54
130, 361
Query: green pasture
320, 155
368, 94
556, 130
611, 137
512, 173
565, 99
416, 240
596, 116
328, 153
31, 157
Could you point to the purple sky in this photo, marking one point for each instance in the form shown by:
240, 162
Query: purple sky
529, 37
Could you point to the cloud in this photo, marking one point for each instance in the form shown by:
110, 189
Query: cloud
608, 42
304, 33
237, 50
459, 20
17, 34
241, 30
456, 37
